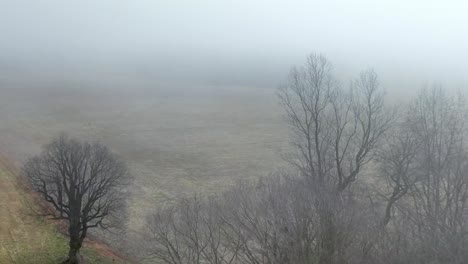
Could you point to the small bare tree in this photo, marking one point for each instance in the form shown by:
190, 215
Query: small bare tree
83, 182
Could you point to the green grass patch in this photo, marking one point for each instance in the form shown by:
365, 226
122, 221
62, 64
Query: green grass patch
26, 237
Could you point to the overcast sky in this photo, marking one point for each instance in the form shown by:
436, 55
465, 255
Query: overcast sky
413, 39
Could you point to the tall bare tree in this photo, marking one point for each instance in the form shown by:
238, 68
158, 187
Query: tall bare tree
426, 165
84, 184
336, 131
439, 199
336, 134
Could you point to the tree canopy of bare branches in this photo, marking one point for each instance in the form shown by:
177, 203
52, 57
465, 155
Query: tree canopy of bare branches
429, 174
336, 130
84, 184
412, 206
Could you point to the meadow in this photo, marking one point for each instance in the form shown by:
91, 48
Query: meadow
177, 139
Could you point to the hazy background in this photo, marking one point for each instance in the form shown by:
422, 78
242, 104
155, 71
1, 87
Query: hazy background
184, 91
248, 42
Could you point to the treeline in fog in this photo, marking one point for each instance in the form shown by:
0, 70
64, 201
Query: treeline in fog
368, 183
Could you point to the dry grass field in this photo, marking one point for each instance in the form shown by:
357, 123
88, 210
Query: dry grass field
176, 139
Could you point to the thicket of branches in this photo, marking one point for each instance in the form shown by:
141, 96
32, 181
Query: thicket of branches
367, 184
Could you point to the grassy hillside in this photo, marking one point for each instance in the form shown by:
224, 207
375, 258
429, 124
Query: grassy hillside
27, 238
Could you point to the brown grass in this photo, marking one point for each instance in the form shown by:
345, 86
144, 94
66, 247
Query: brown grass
176, 140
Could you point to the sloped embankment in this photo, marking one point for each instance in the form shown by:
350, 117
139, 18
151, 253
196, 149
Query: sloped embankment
26, 237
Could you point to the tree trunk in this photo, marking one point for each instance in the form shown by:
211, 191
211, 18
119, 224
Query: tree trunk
75, 243
74, 251
73, 256
328, 240
328, 236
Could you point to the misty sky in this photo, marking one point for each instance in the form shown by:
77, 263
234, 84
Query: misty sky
418, 40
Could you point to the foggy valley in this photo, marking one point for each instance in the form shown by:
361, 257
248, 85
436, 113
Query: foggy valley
325, 132
176, 139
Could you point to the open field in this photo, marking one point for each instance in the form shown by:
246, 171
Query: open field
176, 139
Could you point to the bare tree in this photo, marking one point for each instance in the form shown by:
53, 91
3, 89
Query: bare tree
84, 183
397, 164
336, 134
439, 199
426, 165
336, 131
273, 222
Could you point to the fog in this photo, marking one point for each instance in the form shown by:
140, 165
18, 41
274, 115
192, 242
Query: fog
243, 42
186, 91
